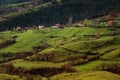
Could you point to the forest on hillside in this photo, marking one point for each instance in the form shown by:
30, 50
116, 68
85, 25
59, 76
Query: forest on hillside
3, 2
59, 12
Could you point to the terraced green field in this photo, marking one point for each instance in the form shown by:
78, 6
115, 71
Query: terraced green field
86, 51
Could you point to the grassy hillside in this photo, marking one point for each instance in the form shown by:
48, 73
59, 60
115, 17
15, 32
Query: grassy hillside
49, 52
7, 76
45, 36
91, 52
98, 75
14, 77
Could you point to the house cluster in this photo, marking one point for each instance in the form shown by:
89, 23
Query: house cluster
19, 28
80, 24
57, 26
93, 23
110, 23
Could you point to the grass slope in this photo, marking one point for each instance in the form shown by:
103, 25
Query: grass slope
78, 48
98, 75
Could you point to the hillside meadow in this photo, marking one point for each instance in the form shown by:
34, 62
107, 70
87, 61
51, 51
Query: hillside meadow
60, 54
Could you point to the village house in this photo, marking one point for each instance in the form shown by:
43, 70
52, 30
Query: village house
80, 24
18, 29
111, 23
41, 26
56, 26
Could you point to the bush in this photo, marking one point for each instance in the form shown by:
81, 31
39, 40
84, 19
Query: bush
7, 42
114, 67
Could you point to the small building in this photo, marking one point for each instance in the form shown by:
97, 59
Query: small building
19, 29
56, 26
80, 24
41, 26
111, 23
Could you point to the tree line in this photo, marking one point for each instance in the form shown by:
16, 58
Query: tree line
57, 12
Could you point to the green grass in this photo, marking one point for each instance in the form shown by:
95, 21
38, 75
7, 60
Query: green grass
56, 37
34, 64
15, 77
75, 39
94, 65
88, 66
107, 48
97, 75
113, 55
32, 38
85, 46
60, 54
10, 77
24, 42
